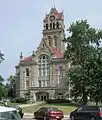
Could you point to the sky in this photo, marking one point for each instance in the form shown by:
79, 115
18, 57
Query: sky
21, 25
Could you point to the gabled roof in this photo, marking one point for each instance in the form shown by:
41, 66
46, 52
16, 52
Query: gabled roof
59, 15
57, 53
26, 59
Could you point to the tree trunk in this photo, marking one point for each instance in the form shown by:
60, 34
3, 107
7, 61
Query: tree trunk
84, 98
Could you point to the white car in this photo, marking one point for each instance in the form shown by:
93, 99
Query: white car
8, 113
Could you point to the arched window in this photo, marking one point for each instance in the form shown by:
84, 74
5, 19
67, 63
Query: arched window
57, 24
53, 25
55, 40
43, 70
60, 73
60, 70
50, 40
46, 26
50, 25
27, 72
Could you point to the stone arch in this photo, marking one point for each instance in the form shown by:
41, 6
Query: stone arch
27, 72
55, 41
60, 95
42, 96
44, 70
50, 41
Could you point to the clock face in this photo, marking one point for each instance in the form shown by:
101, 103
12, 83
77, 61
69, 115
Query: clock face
52, 18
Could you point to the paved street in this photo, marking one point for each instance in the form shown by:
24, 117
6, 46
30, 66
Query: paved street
30, 117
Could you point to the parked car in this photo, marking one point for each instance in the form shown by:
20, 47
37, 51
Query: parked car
8, 113
48, 113
19, 109
87, 113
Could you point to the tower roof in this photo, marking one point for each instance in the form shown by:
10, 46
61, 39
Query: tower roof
59, 15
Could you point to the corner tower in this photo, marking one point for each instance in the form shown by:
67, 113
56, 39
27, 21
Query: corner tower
53, 29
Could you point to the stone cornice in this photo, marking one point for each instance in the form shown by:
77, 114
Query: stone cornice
59, 60
28, 63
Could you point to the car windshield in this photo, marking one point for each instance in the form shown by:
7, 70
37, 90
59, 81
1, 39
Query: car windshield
11, 115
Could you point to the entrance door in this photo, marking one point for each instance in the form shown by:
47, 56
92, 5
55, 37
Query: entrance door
45, 98
42, 96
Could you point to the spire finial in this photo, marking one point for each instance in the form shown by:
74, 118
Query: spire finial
33, 53
21, 56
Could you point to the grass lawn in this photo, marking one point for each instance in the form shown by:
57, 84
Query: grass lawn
13, 104
64, 107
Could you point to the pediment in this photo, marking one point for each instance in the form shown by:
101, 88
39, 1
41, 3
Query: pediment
43, 47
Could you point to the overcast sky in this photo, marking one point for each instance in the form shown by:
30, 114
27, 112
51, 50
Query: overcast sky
21, 24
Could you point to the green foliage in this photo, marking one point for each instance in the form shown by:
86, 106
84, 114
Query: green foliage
94, 67
84, 52
1, 57
19, 100
58, 101
11, 88
80, 41
1, 80
11, 78
1, 87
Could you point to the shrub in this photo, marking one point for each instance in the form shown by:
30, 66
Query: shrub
58, 101
19, 100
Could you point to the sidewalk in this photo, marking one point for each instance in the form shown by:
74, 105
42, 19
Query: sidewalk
31, 104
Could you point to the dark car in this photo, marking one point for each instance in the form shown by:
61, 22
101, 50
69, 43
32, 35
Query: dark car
48, 113
87, 113
20, 111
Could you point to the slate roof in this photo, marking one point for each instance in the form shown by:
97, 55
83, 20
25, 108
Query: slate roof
57, 52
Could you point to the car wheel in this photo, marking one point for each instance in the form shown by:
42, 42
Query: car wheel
72, 118
45, 118
92, 118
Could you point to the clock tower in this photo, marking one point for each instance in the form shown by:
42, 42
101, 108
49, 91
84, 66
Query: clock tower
53, 31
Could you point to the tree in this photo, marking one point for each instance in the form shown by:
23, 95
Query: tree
1, 86
1, 57
81, 44
6, 88
1, 78
12, 87
94, 68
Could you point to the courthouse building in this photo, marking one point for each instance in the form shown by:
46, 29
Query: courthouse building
43, 73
